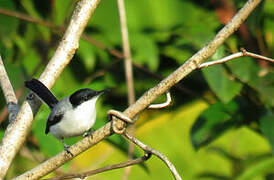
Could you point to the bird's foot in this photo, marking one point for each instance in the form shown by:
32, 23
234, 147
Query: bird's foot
66, 147
88, 133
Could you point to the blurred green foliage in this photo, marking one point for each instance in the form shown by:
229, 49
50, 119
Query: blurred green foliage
221, 123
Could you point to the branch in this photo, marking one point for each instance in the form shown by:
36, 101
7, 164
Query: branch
162, 105
126, 52
146, 148
16, 133
234, 56
8, 92
133, 110
103, 169
149, 149
128, 73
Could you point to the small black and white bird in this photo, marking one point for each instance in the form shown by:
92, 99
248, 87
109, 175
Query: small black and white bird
72, 116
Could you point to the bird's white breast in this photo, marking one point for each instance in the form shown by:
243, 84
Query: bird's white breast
76, 121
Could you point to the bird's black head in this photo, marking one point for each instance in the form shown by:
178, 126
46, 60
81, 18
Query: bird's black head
83, 95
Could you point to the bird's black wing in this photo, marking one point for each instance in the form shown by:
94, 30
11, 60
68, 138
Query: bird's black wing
42, 91
53, 120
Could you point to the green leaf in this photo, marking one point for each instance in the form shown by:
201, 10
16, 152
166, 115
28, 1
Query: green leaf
213, 122
30, 8
145, 51
244, 68
30, 61
263, 167
265, 86
177, 53
221, 82
60, 11
87, 55
248, 71
15, 74
267, 127
8, 24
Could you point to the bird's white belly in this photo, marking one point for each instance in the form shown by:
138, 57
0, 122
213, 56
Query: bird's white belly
75, 122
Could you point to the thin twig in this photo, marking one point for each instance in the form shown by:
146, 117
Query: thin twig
8, 92
129, 75
234, 56
103, 169
28, 18
126, 52
162, 105
147, 148
15, 134
148, 97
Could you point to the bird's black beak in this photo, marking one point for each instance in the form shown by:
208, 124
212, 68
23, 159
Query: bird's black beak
102, 92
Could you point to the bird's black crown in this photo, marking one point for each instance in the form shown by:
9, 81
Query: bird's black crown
83, 95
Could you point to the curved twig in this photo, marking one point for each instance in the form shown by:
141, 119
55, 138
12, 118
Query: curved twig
162, 105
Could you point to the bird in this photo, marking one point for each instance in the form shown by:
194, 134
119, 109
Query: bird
72, 116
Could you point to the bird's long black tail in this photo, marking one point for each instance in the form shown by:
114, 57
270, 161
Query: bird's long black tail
42, 91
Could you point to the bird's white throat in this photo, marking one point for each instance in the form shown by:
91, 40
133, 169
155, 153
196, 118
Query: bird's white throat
76, 121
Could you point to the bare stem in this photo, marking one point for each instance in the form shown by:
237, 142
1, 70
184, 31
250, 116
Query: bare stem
234, 56
147, 148
128, 73
8, 92
126, 52
148, 97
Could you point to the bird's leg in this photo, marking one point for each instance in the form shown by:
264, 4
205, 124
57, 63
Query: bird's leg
66, 147
88, 133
